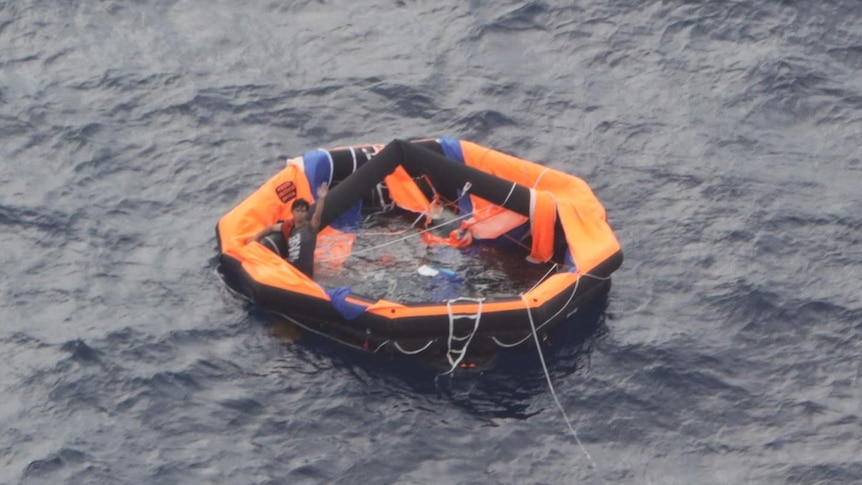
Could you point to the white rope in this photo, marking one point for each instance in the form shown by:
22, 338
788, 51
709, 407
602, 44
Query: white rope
469, 338
536, 183
419, 234
512, 190
353, 154
380, 346
331, 168
394, 241
519, 342
394, 233
411, 352
384, 207
562, 308
307, 328
540, 280
291, 319
551, 385
322, 334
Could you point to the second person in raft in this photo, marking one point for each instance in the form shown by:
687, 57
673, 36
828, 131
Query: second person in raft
296, 239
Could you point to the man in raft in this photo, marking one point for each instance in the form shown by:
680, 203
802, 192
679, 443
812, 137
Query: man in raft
297, 237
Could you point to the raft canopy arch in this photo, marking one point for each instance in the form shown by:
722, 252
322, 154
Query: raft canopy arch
550, 199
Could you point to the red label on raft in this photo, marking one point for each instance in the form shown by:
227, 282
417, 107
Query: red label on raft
286, 191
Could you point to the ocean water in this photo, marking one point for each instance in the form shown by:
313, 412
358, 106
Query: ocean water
722, 137
390, 261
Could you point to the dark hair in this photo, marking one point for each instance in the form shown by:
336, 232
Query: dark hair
300, 203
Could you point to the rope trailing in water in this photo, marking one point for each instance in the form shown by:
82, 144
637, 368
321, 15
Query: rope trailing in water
551, 384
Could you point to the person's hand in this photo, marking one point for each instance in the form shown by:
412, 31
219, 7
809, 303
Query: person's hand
322, 190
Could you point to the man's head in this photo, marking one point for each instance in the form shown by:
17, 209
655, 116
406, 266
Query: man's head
300, 211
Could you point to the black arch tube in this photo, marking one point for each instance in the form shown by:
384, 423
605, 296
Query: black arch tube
446, 175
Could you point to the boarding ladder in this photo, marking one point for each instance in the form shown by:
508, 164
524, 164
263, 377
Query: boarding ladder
456, 348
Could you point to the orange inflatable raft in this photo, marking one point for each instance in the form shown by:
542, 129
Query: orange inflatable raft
553, 218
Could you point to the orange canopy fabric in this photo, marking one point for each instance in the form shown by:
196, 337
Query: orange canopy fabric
589, 237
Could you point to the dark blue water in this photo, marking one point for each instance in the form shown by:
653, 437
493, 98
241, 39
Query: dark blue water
723, 138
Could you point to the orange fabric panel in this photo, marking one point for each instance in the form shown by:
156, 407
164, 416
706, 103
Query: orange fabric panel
404, 191
333, 247
456, 239
392, 310
590, 240
501, 164
542, 226
494, 223
582, 216
269, 269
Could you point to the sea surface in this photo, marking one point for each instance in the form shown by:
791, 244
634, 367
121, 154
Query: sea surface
724, 138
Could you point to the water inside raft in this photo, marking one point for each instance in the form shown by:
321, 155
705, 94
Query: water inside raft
389, 260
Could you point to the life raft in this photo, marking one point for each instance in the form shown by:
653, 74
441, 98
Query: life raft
554, 216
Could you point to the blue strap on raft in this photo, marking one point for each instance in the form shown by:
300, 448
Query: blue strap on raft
347, 309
